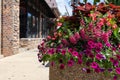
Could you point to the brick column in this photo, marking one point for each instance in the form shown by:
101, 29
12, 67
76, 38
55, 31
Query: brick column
0, 27
10, 27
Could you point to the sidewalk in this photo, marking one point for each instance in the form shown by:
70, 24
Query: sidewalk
23, 66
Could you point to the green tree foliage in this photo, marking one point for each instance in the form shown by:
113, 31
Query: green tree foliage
117, 2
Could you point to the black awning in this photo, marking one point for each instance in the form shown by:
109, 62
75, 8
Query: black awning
49, 13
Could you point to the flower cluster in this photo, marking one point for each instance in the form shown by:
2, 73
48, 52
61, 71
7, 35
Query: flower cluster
91, 37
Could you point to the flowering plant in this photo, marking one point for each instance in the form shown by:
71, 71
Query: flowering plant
90, 37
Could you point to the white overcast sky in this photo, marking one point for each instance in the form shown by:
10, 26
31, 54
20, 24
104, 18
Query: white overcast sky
62, 3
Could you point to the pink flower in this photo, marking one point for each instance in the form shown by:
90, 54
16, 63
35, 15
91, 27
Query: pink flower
108, 44
105, 37
99, 45
115, 62
115, 78
63, 52
82, 22
117, 70
118, 56
91, 44
99, 56
79, 61
65, 42
70, 63
72, 39
114, 26
75, 53
97, 70
77, 36
70, 50
80, 56
51, 51
94, 65
59, 24
48, 37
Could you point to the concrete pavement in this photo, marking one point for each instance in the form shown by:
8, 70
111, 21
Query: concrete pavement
23, 66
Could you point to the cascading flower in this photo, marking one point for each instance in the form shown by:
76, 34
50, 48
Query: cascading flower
90, 37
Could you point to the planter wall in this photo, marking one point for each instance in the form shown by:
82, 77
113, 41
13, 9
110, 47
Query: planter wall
75, 73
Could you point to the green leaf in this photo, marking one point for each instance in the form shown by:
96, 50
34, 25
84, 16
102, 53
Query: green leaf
117, 33
46, 57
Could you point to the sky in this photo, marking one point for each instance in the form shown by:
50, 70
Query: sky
62, 3
61, 6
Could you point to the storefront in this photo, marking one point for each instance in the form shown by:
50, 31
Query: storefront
24, 23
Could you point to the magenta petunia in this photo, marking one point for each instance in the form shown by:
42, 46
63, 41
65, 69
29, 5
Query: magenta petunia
94, 65
72, 39
97, 70
91, 44
70, 50
99, 45
117, 70
63, 52
99, 56
115, 77
108, 44
75, 53
70, 63
118, 56
77, 36
51, 51
79, 61
80, 56
65, 42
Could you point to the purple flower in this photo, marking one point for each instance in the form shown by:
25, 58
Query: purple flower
63, 52
70, 63
99, 56
75, 53
117, 70
102, 69
72, 39
77, 36
62, 66
94, 65
109, 69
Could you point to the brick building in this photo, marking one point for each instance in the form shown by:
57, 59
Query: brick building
24, 23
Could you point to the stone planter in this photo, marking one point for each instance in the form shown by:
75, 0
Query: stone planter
75, 73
